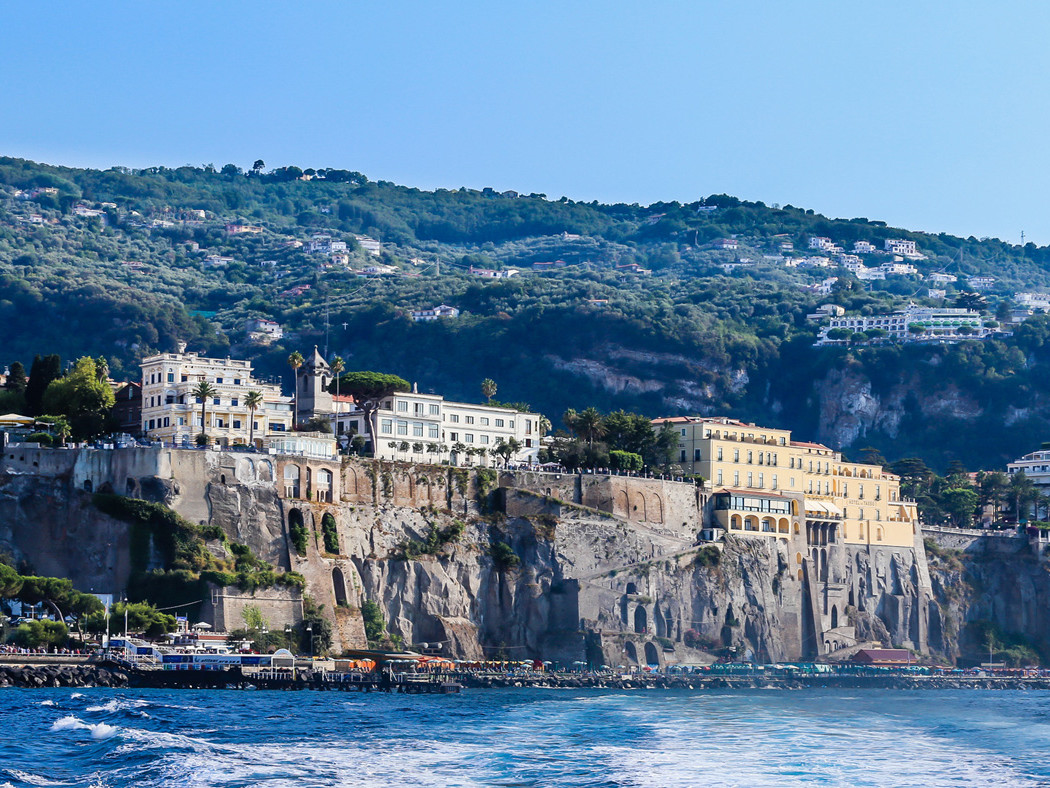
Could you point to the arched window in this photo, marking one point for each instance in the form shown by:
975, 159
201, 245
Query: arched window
291, 481
641, 621
339, 586
631, 589
652, 656
330, 534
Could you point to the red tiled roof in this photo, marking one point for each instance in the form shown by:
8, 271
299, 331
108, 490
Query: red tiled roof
806, 445
883, 655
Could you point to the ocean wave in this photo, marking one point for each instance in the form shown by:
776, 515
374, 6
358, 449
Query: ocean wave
120, 704
99, 730
44, 703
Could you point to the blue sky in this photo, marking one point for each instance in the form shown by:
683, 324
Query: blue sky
928, 115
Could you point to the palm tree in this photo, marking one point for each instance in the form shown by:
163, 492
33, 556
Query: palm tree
338, 365
252, 402
202, 391
488, 388
589, 422
295, 360
544, 425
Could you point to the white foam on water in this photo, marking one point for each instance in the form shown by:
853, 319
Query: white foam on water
45, 703
33, 779
76, 695
70, 723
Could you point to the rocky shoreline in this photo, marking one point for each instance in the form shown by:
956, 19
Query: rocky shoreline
37, 676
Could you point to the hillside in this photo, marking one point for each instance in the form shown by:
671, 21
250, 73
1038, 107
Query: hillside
639, 308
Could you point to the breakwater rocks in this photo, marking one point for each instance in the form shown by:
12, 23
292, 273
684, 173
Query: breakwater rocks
35, 676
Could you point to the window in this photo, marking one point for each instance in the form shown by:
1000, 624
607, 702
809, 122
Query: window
402, 406
681, 456
215, 401
432, 430
750, 458
220, 423
696, 455
218, 381
434, 409
484, 421
719, 453
152, 423
751, 480
255, 425
736, 455
468, 438
683, 432
454, 418
774, 481
736, 478
236, 381
860, 493
499, 422
386, 425
417, 408
417, 429
528, 443
233, 402
236, 424
484, 438
402, 428
278, 427
171, 377
185, 378
761, 480
469, 419
453, 436
719, 478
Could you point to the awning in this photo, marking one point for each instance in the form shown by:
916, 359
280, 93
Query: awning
824, 510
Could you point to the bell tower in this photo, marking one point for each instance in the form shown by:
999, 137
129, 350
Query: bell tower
312, 380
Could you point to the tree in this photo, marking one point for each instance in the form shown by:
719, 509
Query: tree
252, 401
295, 360
625, 460
338, 365
375, 628
488, 389
202, 391
1022, 494
588, 424
59, 427
992, 490
16, 378
960, 503
44, 370
82, 398
141, 617
506, 449
973, 301
258, 166
368, 390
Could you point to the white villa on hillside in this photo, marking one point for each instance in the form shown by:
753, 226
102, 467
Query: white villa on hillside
913, 324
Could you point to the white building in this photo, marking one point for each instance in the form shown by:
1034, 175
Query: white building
437, 313
428, 428
1036, 466
900, 246
1036, 301
824, 244
262, 329
863, 247
982, 282
934, 292
728, 244
898, 269
489, 273
170, 411
369, 244
939, 324
943, 279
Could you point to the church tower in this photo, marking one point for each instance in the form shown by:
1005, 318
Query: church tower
312, 380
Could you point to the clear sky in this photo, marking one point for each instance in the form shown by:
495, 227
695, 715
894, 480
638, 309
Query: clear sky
933, 116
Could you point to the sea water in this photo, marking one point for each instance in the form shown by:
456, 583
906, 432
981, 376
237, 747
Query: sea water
110, 738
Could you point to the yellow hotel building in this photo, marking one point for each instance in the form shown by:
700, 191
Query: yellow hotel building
766, 484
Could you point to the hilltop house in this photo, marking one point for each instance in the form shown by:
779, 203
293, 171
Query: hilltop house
912, 324
436, 313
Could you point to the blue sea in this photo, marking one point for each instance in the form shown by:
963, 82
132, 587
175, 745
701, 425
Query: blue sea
524, 738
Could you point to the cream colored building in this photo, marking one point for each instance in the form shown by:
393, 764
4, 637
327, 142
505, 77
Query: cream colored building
436, 430
768, 484
170, 411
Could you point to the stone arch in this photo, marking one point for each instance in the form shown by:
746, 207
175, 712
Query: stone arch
129, 487
751, 523
878, 534
800, 575
350, 481
796, 529
339, 586
657, 509
639, 508
852, 598
245, 470
330, 533
834, 617
222, 479
816, 563
309, 481
265, 471
769, 525
292, 476
652, 655
89, 486
625, 615
641, 620
823, 564
735, 522
798, 558
631, 589
631, 652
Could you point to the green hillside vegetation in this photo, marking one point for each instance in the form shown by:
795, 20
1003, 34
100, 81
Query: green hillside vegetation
687, 337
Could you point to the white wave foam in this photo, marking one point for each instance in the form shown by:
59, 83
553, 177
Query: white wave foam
120, 704
70, 723
76, 695
44, 703
28, 778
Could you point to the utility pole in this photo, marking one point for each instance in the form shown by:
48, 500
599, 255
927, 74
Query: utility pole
326, 325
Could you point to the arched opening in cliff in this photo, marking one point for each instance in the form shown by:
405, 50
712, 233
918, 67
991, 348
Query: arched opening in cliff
339, 586
834, 617
641, 620
88, 485
265, 471
625, 614
324, 485
639, 508
330, 534
824, 565
658, 621
631, 589
630, 652
652, 656
657, 509
129, 487
852, 597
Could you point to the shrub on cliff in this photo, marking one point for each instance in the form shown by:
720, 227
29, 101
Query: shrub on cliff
375, 627
504, 557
